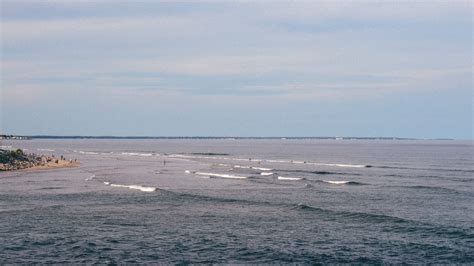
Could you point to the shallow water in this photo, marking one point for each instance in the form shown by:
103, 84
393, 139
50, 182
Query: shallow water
204, 201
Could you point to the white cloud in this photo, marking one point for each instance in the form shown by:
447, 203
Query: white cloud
244, 42
17, 31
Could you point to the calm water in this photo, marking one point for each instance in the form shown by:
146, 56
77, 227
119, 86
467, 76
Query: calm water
245, 201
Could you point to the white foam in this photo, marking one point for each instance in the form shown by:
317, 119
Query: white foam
290, 178
262, 169
266, 173
137, 154
220, 175
279, 161
136, 187
90, 178
336, 182
242, 166
270, 161
340, 165
88, 152
45, 149
236, 159
177, 155
251, 167
350, 165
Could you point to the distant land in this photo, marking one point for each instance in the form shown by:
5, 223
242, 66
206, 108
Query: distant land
17, 137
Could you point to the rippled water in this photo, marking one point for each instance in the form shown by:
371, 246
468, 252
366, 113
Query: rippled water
244, 201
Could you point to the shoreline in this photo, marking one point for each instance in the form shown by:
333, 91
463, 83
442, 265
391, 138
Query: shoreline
43, 167
14, 160
50, 166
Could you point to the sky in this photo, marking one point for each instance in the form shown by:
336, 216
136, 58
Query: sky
237, 68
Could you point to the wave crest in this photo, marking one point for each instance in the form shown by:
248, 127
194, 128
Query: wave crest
290, 178
220, 175
135, 187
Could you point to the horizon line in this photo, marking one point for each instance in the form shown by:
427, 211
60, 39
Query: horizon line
11, 136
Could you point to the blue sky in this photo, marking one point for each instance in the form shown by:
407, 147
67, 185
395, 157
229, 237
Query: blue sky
237, 68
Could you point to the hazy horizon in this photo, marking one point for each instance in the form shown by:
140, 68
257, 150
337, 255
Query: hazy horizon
228, 137
237, 69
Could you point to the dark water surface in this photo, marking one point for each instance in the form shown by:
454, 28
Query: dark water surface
244, 201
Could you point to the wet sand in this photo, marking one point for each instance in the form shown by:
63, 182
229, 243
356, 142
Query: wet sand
53, 165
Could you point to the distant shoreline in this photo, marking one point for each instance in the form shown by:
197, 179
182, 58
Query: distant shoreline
15, 137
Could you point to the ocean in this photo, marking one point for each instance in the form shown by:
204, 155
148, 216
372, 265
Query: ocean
241, 201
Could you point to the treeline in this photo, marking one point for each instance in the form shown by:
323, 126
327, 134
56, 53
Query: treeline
13, 137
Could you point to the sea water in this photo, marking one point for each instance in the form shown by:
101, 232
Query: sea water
241, 201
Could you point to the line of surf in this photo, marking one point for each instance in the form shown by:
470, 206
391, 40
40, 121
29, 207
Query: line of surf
87, 152
45, 150
266, 173
137, 154
245, 167
290, 178
272, 161
220, 175
216, 175
342, 182
252, 167
135, 187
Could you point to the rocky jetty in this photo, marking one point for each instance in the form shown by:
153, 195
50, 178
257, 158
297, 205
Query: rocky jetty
16, 159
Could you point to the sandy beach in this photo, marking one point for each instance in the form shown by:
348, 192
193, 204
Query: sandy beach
18, 160
53, 165
46, 166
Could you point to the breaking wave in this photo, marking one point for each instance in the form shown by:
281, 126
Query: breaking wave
341, 182
88, 152
290, 178
45, 150
252, 167
135, 187
262, 168
343, 165
220, 175
266, 173
90, 178
137, 154
271, 161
